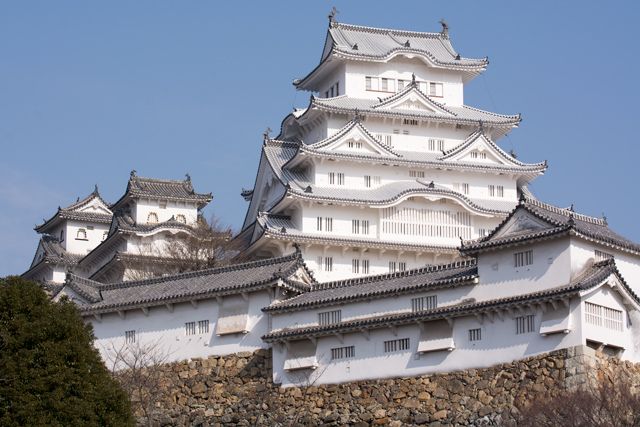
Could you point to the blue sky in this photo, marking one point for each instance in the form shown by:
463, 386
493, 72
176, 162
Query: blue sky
91, 90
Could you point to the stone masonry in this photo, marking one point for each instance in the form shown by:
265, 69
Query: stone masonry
236, 390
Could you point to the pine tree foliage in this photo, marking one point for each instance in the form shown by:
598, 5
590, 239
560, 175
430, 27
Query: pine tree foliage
50, 373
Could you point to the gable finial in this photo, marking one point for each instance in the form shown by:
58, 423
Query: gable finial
570, 208
188, 176
513, 154
357, 116
95, 190
481, 126
604, 218
332, 14
413, 79
407, 44
133, 173
445, 27
266, 133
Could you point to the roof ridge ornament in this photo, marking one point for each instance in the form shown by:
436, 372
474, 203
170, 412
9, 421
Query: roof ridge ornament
188, 176
413, 79
445, 27
133, 173
356, 118
513, 154
331, 17
266, 133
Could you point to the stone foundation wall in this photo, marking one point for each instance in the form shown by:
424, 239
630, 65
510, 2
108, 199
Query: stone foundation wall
236, 390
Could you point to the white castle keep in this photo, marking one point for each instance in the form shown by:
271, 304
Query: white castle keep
391, 235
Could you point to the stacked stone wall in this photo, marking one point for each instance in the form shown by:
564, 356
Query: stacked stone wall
236, 390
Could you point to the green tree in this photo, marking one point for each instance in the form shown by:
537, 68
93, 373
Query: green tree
50, 373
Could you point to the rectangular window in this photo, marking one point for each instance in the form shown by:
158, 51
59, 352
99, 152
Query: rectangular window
368, 83
476, 155
330, 317
599, 315
405, 132
436, 144
402, 266
424, 303
365, 266
337, 88
332, 92
392, 266
461, 187
396, 345
332, 178
365, 226
326, 94
328, 223
401, 85
416, 174
385, 84
387, 139
367, 180
435, 89
525, 324
340, 179
492, 190
500, 192
343, 352
601, 256
482, 232
130, 337
203, 326
355, 226
523, 258
475, 334
355, 266
396, 131
336, 178
319, 224
190, 328
328, 263
410, 122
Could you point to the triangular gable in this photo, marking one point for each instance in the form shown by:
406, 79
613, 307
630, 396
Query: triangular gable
478, 148
40, 254
354, 137
413, 99
616, 285
520, 223
97, 205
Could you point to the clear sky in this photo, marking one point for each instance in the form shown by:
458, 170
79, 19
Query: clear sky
91, 90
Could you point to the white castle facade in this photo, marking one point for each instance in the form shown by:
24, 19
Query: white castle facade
391, 237
388, 168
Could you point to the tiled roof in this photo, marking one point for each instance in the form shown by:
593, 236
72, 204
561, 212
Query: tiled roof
456, 114
55, 253
163, 189
73, 212
562, 221
195, 285
280, 226
383, 285
125, 223
367, 43
592, 277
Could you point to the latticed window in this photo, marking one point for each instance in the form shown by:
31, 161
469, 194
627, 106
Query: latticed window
152, 218
436, 144
525, 324
365, 266
416, 174
409, 221
203, 326
130, 337
402, 266
424, 303
396, 345
523, 258
355, 266
325, 263
601, 256
328, 222
475, 334
392, 266
330, 317
343, 352
606, 317
500, 191
190, 328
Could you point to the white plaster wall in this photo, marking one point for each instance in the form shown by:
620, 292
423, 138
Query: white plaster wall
500, 278
168, 329
77, 246
499, 344
173, 208
403, 68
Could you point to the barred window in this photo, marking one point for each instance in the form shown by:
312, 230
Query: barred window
396, 345
355, 226
203, 326
392, 266
416, 174
436, 144
330, 317
410, 122
601, 256
461, 187
482, 232
475, 334
328, 222
500, 191
130, 337
190, 328
424, 303
319, 223
599, 315
355, 266
365, 226
523, 258
492, 190
343, 352
325, 263
402, 266
525, 324
152, 218
365, 266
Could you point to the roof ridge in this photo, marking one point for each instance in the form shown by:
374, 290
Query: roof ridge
566, 212
384, 31
407, 273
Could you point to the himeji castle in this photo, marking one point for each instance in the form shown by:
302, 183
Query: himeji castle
387, 169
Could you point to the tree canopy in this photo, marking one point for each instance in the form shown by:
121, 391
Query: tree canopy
50, 373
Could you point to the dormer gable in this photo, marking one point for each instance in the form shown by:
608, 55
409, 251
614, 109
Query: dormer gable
412, 98
354, 138
479, 148
522, 222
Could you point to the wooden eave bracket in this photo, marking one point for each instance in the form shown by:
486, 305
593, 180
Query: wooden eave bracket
394, 330
340, 337
366, 333
98, 317
194, 303
449, 320
145, 310
169, 307
480, 318
122, 314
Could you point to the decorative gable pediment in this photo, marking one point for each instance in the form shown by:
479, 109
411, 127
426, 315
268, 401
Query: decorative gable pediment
354, 138
96, 206
522, 222
412, 100
478, 148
